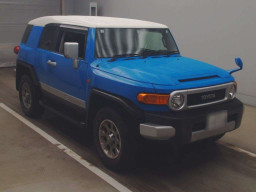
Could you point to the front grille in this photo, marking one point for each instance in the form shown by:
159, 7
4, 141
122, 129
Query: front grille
205, 97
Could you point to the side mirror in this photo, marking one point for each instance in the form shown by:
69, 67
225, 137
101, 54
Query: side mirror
71, 50
239, 63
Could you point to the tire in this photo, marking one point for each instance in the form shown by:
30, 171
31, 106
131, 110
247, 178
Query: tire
125, 159
29, 97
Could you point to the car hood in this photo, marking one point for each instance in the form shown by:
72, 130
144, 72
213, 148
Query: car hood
160, 70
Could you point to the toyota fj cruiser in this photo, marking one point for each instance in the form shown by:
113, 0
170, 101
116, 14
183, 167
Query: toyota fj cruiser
124, 80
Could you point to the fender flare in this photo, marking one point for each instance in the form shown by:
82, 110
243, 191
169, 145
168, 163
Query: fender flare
20, 68
124, 103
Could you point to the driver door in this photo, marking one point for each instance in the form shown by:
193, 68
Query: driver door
64, 80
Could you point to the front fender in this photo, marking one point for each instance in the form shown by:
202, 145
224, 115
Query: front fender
118, 85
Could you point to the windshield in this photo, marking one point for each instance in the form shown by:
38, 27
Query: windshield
112, 42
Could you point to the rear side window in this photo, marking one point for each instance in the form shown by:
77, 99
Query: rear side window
26, 33
49, 37
79, 36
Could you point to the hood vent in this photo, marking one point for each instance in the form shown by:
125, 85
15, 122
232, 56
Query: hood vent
198, 78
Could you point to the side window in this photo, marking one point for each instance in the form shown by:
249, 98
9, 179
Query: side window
49, 37
26, 33
69, 35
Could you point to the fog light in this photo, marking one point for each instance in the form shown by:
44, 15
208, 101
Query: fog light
177, 101
232, 92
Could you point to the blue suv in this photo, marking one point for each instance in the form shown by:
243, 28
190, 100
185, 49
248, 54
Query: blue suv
124, 81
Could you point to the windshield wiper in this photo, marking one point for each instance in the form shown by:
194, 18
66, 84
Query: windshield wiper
158, 52
123, 55
171, 53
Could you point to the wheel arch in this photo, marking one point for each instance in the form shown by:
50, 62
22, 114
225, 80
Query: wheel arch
25, 68
99, 99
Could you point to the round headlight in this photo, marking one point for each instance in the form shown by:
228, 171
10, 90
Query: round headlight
232, 92
177, 101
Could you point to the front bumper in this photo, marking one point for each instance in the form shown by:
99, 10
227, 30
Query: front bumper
190, 125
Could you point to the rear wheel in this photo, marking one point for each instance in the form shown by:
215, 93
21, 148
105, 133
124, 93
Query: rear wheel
114, 140
29, 97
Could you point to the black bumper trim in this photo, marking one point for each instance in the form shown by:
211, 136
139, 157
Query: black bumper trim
186, 122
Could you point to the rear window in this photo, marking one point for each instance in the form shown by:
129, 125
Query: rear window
49, 37
26, 33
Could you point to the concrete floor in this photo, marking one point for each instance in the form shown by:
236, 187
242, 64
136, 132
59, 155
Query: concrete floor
245, 136
29, 163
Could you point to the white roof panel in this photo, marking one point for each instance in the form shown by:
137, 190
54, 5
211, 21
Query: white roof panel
96, 22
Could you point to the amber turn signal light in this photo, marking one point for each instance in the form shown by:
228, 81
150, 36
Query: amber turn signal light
153, 99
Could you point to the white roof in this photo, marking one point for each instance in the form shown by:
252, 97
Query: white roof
96, 22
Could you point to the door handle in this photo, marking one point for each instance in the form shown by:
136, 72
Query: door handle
52, 63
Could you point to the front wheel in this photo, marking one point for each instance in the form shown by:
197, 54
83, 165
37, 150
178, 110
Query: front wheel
114, 140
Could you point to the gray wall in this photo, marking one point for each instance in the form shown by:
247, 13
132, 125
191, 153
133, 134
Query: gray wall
213, 31
69, 7
14, 16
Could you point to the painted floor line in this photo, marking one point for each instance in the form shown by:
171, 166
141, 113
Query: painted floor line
230, 146
114, 183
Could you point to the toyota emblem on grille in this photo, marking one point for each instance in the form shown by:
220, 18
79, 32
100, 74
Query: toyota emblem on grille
209, 96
